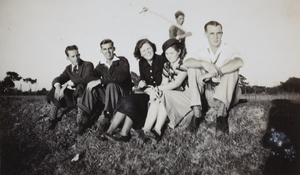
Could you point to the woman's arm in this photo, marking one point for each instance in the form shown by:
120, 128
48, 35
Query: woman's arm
174, 84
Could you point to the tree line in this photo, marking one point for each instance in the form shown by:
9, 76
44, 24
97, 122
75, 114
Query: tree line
7, 85
292, 85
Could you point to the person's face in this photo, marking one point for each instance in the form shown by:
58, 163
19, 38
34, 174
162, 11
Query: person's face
180, 19
214, 35
73, 56
172, 55
147, 51
108, 50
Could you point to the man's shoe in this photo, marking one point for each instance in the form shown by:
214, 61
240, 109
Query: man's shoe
81, 128
52, 124
194, 124
107, 115
222, 125
102, 126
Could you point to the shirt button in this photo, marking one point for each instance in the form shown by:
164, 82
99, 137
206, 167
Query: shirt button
150, 70
151, 77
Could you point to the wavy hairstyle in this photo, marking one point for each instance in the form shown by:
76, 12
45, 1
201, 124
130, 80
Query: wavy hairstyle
139, 45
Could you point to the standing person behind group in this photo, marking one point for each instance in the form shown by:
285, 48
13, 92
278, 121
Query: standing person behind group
172, 97
215, 71
133, 108
108, 82
177, 33
69, 86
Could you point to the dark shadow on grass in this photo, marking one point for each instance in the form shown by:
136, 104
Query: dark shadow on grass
282, 138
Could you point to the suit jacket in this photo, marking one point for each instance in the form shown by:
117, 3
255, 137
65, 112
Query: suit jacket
79, 78
119, 72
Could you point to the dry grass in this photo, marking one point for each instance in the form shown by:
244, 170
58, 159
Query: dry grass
27, 147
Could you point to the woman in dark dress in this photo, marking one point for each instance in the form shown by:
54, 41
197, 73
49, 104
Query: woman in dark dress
132, 110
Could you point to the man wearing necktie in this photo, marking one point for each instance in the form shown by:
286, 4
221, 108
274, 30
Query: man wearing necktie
69, 86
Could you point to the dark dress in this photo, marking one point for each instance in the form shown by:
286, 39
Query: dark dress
135, 106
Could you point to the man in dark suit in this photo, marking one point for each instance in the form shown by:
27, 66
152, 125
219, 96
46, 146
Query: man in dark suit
108, 82
69, 86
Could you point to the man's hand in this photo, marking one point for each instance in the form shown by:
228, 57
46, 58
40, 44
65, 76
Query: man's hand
70, 83
57, 94
93, 84
210, 68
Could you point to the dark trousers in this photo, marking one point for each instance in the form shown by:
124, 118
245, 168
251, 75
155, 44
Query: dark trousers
94, 99
69, 100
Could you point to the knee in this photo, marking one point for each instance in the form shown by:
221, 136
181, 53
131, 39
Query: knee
191, 71
111, 86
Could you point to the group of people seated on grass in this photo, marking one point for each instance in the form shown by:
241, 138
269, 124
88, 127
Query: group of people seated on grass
171, 86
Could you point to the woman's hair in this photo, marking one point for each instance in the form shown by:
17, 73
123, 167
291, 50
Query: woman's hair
139, 45
176, 45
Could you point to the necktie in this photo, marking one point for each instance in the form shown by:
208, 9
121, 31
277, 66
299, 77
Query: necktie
75, 69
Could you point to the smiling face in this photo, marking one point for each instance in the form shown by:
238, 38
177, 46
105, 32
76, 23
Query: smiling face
73, 56
108, 50
214, 35
172, 55
147, 51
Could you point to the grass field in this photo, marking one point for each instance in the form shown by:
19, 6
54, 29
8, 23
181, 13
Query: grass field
28, 147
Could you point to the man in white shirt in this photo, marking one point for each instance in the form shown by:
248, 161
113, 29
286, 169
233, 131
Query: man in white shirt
213, 72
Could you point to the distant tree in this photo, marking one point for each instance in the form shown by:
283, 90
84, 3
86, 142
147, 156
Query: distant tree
243, 83
42, 92
7, 85
13, 76
30, 82
291, 85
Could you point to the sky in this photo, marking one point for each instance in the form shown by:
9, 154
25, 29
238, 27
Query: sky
35, 33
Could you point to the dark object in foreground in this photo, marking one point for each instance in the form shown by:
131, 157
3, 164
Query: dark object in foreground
282, 138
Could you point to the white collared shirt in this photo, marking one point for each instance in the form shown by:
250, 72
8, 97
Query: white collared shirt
224, 53
114, 59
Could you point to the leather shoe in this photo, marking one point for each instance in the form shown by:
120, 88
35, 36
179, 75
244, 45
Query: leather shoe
81, 128
194, 124
52, 123
102, 126
222, 125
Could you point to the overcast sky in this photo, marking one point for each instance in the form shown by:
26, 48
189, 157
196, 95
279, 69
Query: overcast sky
35, 33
